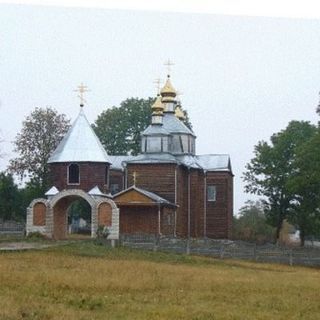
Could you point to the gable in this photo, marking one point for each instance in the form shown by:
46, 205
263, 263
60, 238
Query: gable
132, 196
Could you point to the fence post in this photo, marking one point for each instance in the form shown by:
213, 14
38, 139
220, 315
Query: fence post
156, 243
290, 258
222, 251
255, 252
188, 246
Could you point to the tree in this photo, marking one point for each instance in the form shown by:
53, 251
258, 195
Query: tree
119, 128
304, 184
41, 132
251, 224
268, 173
10, 198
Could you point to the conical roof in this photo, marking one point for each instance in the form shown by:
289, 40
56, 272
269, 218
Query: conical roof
157, 107
168, 89
80, 144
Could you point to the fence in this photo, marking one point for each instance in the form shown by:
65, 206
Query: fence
225, 249
8, 228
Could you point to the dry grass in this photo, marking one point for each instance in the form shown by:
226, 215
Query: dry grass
83, 281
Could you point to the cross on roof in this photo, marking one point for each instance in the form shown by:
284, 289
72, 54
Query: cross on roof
169, 63
82, 89
158, 83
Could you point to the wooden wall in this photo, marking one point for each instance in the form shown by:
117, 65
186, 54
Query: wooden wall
91, 175
116, 177
220, 212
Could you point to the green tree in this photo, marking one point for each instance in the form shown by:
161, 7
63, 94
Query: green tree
304, 184
251, 223
119, 128
10, 200
80, 208
269, 172
41, 132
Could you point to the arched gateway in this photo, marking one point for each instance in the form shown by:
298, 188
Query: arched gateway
49, 216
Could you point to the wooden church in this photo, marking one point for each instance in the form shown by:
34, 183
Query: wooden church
165, 190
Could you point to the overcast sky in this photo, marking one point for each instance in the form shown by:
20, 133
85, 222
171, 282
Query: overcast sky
242, 78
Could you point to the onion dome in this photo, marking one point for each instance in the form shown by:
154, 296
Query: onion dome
157, 111
179, 113
168, 92
157, 107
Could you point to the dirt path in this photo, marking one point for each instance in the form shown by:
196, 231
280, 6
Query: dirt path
13, 246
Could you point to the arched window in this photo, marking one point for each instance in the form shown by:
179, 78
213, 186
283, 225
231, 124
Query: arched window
73, 174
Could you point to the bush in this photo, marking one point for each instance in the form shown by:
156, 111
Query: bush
36, 236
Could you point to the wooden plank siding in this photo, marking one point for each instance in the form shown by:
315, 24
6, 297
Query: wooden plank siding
157, 178
160, 179
91, 175
219, 212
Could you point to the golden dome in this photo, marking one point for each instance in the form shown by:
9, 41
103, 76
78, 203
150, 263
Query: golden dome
168, 89
157, 106
179, 113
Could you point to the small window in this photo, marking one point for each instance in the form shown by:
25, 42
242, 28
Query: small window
73, 174
211, 193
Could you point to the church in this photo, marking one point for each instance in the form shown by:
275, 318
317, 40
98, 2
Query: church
166, 190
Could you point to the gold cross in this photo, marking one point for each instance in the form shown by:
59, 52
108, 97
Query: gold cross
169, 64
157, 82
135, 175
82, 89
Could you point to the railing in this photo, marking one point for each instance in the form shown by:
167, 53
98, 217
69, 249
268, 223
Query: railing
12, 228
225, 249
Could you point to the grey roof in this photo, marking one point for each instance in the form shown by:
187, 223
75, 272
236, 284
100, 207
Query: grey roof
117, 161
95, 191
208, 162
155, 129
52, 191
215, 162
173, 125
80, 144
149, 194
153, 158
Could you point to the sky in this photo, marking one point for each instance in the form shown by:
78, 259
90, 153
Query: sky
242, 78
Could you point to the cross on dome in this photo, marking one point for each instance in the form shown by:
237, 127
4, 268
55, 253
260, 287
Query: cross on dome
81, 89
158, 83
169, 63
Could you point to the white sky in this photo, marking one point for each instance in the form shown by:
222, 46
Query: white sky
242, 78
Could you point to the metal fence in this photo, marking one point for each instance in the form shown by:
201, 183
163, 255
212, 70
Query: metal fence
309, 256
11, 228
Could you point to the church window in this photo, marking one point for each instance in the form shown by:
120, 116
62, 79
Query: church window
154, 144
165, 144
211, 193
73, 174
176, 146
184, 140
181, 145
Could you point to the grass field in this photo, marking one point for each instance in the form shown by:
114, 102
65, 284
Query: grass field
82, 281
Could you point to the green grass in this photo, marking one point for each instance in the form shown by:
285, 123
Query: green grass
85, 281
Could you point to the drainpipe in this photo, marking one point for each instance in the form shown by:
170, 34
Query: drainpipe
205, 205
